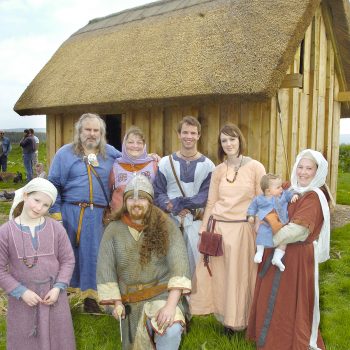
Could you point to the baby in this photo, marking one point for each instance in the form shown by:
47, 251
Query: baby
274, 199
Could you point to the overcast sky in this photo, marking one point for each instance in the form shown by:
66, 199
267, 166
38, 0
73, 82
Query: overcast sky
31, 32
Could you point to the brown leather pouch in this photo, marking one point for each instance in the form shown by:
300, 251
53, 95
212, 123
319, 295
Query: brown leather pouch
211, 243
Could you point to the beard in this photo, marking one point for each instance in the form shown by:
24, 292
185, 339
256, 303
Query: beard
90, 143
137, 212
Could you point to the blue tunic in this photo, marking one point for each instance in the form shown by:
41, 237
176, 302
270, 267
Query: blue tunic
261, 206
69, 174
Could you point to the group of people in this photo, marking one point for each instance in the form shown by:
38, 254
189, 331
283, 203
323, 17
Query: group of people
145, 263
30, 151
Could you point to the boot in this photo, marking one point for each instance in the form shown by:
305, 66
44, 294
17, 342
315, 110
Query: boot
91, 306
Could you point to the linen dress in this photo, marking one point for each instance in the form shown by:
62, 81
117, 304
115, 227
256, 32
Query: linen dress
52, 324
291, 320
229, 292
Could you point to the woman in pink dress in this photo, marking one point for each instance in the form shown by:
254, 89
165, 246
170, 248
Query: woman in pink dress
228, 293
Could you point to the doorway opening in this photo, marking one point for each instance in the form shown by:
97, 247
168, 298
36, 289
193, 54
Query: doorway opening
114, 130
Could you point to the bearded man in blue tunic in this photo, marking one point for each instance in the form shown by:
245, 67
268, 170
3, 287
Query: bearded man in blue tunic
80, 172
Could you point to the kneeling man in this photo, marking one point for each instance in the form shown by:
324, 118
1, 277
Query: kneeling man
143, 271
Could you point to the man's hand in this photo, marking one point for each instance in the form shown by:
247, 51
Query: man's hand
184, 212
119, 310
31, 298
165, 316
169, 207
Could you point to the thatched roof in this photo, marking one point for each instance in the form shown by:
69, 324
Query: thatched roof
173, 50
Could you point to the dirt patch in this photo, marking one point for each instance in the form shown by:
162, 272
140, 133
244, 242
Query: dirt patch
340, 216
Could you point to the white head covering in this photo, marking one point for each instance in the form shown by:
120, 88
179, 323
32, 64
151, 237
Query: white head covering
38, 184
323, 244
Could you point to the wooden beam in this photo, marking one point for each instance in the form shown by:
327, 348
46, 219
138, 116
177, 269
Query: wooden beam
294, 80
343, 96
328, 21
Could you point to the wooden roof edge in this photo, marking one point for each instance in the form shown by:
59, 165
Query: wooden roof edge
124, 106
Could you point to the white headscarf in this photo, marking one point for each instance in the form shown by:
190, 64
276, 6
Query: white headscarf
323, 244
38, 184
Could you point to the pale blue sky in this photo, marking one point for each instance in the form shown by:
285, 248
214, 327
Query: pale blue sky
31, 32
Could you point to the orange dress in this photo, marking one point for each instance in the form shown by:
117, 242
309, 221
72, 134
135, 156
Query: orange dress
229, 292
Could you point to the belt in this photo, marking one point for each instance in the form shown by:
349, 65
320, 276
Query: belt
144, 293
82, 206
244, 220
87, 204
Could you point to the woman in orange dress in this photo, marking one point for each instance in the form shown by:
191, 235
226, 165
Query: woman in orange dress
228, 293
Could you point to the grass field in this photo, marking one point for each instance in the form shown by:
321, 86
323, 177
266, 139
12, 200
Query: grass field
102, 332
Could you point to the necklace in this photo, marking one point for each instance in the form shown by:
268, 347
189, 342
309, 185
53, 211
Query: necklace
193, 155
236, 172
25, 259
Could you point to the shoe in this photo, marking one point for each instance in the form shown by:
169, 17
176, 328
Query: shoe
228, 332
9, 196
91, 306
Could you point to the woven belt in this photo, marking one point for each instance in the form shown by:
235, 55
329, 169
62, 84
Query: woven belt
82, 206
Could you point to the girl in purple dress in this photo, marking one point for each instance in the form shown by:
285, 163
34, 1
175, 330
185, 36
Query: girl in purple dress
36, 265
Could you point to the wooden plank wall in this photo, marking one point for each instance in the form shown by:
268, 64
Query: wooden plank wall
310, 115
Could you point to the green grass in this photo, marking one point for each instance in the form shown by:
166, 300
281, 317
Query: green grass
334, 292
15, 163
343, 190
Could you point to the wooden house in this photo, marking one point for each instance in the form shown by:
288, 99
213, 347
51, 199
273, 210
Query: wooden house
219, 60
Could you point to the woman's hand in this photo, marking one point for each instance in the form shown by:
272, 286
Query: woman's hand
119, 310
52, 296
31, 298
155, 156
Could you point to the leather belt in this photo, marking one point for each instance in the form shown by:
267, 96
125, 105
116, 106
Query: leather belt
83, 206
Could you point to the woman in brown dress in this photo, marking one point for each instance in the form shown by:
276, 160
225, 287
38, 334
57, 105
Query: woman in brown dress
285, 311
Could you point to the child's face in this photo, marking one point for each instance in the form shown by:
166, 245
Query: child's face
275, 188
36, 204
39, 169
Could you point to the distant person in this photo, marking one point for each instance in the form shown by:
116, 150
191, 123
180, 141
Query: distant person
40, 171
28, 147
5, 148
36, 153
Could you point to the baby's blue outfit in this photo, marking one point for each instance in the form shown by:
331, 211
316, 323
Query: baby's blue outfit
261, 206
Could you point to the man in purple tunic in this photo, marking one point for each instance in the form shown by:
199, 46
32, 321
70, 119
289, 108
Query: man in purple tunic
191, 171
